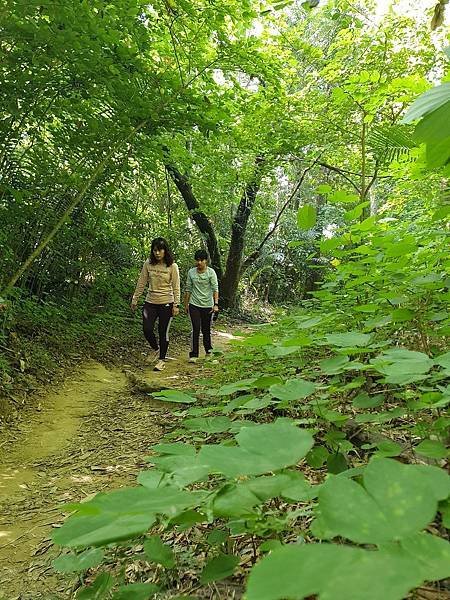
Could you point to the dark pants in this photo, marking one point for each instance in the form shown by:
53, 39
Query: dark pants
201, 319
162, 312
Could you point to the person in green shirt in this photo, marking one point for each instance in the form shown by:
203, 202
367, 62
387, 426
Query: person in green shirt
201, 302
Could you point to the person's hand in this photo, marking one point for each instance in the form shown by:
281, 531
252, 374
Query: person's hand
187, 310
215, 308
175, 311
133, 306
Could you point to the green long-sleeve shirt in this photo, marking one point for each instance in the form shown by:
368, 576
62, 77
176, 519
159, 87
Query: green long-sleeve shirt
201, 287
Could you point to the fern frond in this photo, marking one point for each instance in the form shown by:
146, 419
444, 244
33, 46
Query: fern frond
391, 142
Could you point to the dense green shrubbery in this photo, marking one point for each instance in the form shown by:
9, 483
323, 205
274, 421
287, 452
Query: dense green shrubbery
302, 451
40, 336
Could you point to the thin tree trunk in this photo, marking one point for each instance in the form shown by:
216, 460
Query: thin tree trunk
363, 189
203, 223
232, 275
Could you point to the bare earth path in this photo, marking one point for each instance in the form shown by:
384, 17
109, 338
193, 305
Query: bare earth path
90, 435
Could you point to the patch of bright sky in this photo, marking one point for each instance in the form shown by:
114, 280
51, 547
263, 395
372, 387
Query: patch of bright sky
411, 8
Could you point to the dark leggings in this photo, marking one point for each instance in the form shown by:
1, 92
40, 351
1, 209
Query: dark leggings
162, 312
201, 319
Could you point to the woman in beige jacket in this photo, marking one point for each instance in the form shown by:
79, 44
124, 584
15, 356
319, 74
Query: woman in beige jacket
161, 274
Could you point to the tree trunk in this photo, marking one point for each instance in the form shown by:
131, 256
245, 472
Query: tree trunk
200, 219
232, 275
229, 280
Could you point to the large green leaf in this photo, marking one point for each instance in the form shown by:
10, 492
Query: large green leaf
120, 514
136, 591
266, 381
396, 501
363, 400
307, 321
261, 449
298, 489
356, 212
333, 573
175, 448
349, 339
343, 196
180, 470
443, 360
306, 216
294, 389
218, 568
435, 126
402, 366
236, 386
208, 424
428, 102
237, 500
158, 552
98, 530
71, 563
432, 449
279, 351
255, 405
256, 340
332, 366
297, 341
433, 553
174, 396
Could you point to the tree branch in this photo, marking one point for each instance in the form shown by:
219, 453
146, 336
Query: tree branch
373, 178
255, 254
342, 173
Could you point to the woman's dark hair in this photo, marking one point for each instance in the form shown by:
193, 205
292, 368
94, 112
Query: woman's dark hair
161, 244
201, 255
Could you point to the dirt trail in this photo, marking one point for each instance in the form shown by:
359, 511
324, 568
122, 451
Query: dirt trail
91, 435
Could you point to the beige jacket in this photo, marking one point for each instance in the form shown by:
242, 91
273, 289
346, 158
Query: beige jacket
163, 284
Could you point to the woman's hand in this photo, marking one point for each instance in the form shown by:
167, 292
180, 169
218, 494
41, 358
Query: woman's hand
133, 306
175, 311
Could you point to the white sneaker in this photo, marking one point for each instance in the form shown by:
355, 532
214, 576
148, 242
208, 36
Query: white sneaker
160, 366
193, 359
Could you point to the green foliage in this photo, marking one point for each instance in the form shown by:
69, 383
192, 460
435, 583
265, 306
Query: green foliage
136, 591
120, 515
433, 129
69, 563
396, 501
219, 568
158, 552
387, 573
306, 217
174, 396
343, 224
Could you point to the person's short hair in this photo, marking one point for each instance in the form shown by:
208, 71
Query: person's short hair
201, 255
